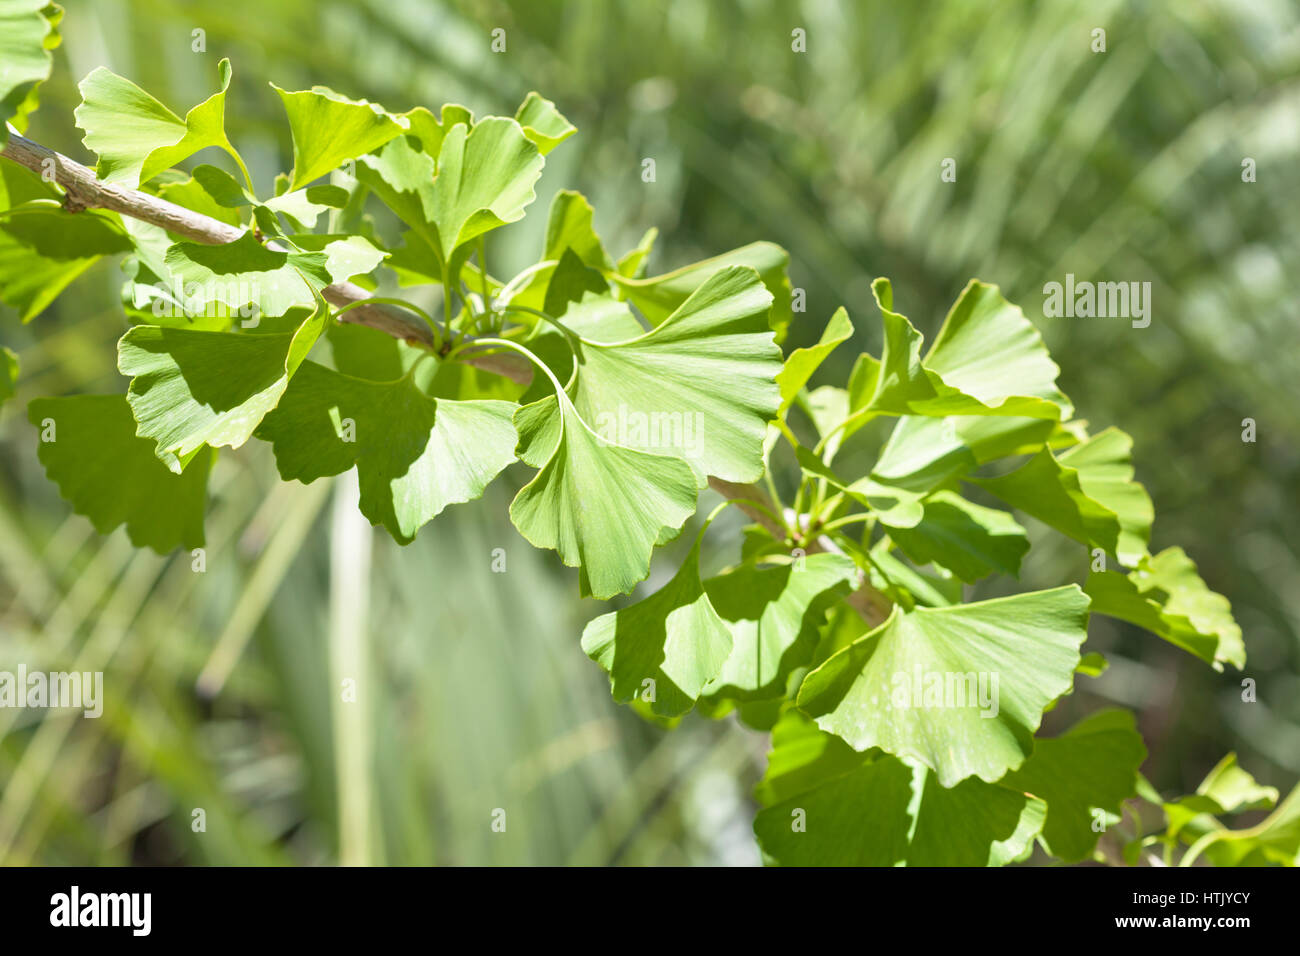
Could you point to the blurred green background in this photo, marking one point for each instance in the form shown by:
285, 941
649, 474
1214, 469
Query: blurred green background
1123, 165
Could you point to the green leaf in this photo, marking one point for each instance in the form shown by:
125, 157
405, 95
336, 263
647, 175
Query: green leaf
774, 614
601, 506
329, 129
1273, 841
485, 179
43, 250
28, 32
632, 263
1166, 596
1092, 767
663, 649
543, 123
431, 130
701, 385
414, 454
827, 808
660, 296
1018, 653
802, 757
1226, 789
570, 282
8, 374
198, 194
1235, 790
113, 477
136, 137
246, 272
193, 388
569, 228
962, 374
1086, 493
402, 177
940, 589
802, 363
968, 539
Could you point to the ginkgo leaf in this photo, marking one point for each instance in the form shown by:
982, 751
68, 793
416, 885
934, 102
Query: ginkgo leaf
939, 588
631, 264
658, 297
569, 227
402, 175
414, 454
961, 689
90, 450
8, 374
329, 129
700, 385
1166, 596
802, 363
774, 614
28, 31
665, 648
961, 375
879, 810
1087, 493
43, 250
195, 194
543, 123
193, 388
1274, 841
485, 179
431, 130
136, 137
1090, 768
1227, 789
246, 272
968, 539
602, 507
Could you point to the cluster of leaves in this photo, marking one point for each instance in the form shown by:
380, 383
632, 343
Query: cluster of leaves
646, 387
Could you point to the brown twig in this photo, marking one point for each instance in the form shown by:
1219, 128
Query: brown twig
85, 191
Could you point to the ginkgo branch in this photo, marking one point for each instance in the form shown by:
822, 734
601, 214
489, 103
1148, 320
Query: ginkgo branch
85, 191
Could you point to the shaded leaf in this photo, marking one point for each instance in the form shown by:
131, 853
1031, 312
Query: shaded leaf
112, 476
414, 454
663, 649
1092, 766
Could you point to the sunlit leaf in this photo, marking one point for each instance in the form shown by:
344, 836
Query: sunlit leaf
194, 388
1166, 596
961, 689
603, 507
329, 129
136, 137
